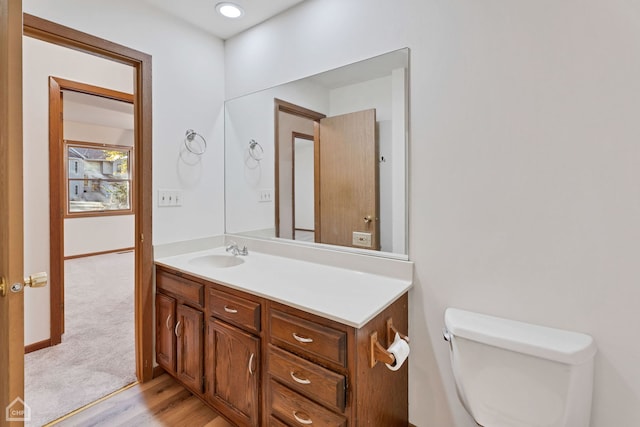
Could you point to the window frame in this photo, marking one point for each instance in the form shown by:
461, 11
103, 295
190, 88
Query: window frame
67, 180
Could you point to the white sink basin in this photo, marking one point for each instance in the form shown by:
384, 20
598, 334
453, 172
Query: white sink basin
218, 261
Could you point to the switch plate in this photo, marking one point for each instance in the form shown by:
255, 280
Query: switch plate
168, 198
265, 195
361, 239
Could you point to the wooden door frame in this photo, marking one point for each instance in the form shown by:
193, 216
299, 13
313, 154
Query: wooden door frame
11, 200
296, 110
141, 62
58, 189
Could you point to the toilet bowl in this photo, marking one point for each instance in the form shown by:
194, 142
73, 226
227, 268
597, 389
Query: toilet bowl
515, 374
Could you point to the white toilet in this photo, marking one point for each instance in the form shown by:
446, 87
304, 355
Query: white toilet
514, 374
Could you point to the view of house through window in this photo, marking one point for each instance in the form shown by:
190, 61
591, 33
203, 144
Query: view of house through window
99, 178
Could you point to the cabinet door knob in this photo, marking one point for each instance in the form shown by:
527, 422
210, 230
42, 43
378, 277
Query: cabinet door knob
176, 329
251, 364
299, 380
303, 340
305, 421
230, 310
168, 321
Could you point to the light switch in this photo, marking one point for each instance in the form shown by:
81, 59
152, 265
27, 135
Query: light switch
265, 195
169, 198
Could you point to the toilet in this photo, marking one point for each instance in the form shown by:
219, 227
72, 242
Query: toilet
515, 374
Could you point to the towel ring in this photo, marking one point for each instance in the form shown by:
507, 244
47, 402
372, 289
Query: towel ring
190, 136
253, 150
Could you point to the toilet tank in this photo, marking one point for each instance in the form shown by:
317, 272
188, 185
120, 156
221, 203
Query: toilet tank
515, 374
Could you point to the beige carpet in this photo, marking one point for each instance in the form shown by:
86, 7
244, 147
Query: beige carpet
97, 355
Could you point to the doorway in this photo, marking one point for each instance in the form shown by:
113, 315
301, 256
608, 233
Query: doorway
50, 32
345, 190
94, 194
91, 163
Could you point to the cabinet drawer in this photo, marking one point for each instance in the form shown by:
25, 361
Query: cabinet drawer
297, 410
308, 338
312, 380
235, 310
183, 288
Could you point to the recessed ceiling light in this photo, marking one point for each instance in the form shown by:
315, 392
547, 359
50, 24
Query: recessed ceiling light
230, 10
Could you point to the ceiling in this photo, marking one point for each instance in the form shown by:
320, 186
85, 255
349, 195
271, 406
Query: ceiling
84, 108
202, 13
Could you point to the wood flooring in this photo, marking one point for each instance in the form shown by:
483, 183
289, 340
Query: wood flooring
160, 402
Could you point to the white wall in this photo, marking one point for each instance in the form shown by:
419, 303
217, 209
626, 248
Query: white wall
524, 195
304, 184
188, 93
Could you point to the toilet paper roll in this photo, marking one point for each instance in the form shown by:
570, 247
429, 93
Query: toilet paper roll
400, 350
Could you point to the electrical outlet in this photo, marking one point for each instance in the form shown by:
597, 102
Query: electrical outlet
361, 239
265, 195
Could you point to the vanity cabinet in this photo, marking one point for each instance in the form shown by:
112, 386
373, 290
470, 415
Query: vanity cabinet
270, 364
319, 371
233, 357
179, 328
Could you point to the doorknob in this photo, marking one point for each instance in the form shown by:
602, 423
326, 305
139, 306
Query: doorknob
368, 219
37, 280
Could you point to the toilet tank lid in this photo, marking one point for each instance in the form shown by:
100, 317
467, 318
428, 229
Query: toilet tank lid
564, 346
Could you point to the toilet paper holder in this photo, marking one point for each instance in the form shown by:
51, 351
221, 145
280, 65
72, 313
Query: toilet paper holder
378, 353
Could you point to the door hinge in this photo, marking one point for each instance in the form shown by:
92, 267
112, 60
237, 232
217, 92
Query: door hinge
141, 237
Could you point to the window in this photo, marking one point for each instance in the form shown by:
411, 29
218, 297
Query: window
98, 178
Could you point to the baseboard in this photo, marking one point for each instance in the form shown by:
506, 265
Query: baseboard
157, 371
37, 346
99, 253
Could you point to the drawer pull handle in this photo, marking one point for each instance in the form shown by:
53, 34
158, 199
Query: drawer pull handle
303, 340
299, 380
167, 322
176, 329
230, 310
251, 364
305, 421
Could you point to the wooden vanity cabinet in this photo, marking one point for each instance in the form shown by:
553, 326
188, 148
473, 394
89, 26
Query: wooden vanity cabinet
165, 337
269, 364
179, 328
233, 355
319, 371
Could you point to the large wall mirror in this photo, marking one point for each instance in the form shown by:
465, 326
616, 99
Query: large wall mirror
323, 160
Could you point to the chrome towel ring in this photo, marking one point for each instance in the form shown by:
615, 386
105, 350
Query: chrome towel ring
255, 150
195, 143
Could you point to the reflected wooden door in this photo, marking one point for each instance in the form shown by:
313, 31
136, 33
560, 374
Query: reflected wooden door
11, 233
347, 205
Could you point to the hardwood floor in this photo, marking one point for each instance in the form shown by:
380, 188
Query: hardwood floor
160, 402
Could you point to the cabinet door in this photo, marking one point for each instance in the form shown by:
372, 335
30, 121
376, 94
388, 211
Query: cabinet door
165, 337
189, 347
233, 359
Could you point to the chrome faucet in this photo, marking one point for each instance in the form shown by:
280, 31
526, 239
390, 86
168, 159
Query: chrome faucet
235, 250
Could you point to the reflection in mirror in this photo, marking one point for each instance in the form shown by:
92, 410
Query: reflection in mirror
333, 169
303, 188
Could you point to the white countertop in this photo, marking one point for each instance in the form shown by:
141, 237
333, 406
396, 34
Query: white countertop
347, 296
